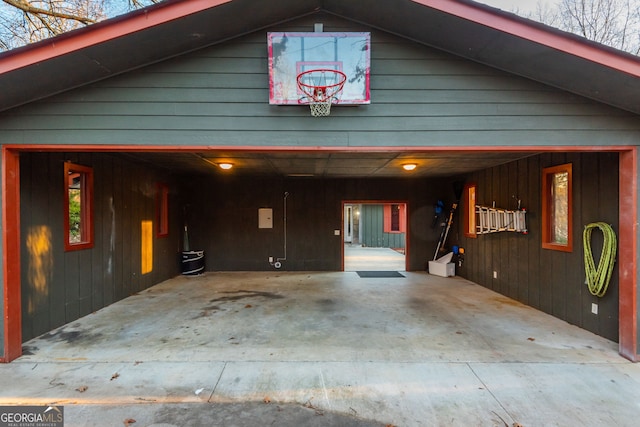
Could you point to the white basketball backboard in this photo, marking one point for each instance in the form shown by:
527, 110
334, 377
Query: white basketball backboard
293, 53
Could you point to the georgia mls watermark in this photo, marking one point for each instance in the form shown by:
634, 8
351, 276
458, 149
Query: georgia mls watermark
31, 416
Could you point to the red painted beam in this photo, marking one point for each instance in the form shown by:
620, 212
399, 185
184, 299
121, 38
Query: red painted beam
628, 255
11, 254
320, 149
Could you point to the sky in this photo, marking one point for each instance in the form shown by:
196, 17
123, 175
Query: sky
524, 6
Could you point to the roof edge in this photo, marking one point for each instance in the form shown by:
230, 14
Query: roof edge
169, 10
537, 32
103, 31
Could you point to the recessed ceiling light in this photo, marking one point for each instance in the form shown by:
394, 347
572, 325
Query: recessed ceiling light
225, 166
409, 166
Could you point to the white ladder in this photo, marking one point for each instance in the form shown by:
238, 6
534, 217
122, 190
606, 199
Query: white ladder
494, 220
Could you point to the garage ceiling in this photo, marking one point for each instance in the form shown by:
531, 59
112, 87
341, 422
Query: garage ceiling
323, 164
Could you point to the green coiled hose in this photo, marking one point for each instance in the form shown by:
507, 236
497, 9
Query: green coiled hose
598, 280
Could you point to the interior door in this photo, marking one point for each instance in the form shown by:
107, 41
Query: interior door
348, 224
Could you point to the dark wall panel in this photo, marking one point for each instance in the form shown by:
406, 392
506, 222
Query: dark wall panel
59, 287
551, 281
223, 219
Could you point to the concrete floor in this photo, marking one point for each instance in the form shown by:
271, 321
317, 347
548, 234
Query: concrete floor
414, 351
358, 258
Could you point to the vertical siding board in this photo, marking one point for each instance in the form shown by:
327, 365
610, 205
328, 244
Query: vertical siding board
485, 265
95, 283
71, 271
139, 207
85, 257
509, 249
33, 306
483, 255
36, 288
590, 213
546, 260
129, 262
464, 242
85, 269
101, 177
478, 262
523, 259
575, 270
106, 197
583, 201
472, 263
513, 241
56, 207
608, 313
131, 232
534, 216
119, 240
559, 264
497, 284
149, 215
71, 286
376, 213
172, 244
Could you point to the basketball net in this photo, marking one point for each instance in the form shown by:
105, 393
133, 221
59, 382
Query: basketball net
319, 91
320, 105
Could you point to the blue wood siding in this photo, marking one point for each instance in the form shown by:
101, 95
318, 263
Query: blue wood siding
372, 229
219, 96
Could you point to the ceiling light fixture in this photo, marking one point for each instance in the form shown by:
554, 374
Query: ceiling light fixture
225, 166
409, 166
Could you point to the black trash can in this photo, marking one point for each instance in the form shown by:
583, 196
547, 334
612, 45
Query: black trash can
192, 262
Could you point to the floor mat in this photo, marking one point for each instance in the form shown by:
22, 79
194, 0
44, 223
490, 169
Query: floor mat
377, 274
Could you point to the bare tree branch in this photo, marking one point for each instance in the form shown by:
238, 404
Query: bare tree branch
27, 8
27, 21
614, 23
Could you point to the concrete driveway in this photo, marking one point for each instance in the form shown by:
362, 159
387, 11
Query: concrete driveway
287, 348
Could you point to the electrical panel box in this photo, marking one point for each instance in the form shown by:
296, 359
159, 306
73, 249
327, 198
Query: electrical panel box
265, 218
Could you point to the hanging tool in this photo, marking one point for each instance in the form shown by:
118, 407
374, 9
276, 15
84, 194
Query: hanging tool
598, 280
439, 209
458, 187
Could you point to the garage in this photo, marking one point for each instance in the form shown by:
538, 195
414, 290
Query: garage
151, 109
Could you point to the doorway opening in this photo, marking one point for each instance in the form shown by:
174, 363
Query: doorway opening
374, 236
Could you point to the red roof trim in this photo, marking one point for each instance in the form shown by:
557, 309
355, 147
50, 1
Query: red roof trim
564, 42
318, 148
101, 32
